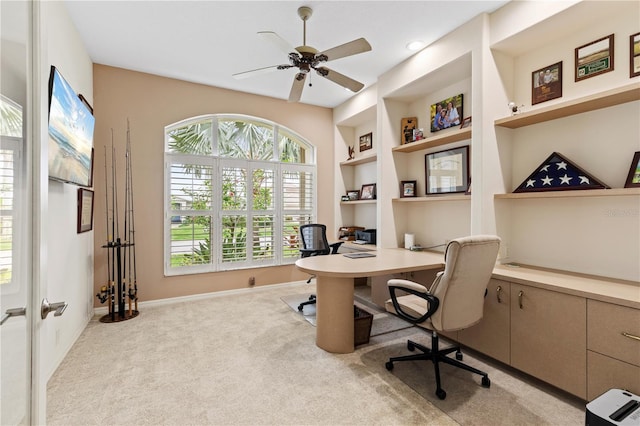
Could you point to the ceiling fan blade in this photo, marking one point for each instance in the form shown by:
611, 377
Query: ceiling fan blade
297, 86
258, 71
278, 41
351, 48
341, 79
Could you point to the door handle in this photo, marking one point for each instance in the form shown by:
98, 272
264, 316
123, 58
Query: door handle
46, 307
13, 312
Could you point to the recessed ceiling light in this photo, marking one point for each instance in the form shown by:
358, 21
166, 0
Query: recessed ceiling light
415, 45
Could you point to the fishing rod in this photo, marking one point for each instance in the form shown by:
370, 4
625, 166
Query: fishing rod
126, 246
105, 289
112, 239
133, 293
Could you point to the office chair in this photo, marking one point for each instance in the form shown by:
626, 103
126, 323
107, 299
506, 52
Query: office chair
454, 301
314, 243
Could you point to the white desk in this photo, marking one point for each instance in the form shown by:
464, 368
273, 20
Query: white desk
334, 288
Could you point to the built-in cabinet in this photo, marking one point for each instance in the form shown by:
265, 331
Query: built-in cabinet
539, 329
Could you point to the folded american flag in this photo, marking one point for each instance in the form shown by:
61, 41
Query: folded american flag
557, 173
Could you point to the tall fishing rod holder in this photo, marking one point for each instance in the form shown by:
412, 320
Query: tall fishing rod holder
121, 314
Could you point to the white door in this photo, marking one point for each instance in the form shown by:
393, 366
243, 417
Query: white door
16, 291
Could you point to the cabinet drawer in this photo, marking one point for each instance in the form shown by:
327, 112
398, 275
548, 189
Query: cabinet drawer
606, 373
605, 324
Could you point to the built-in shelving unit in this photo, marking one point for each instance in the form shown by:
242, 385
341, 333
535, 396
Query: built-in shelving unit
435, 198
360, 160
616, 192
617, 96
432, 142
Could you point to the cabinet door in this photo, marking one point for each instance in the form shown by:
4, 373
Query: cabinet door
491, 335
608, 373
549, 337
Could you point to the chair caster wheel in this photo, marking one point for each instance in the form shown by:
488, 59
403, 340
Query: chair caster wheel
440, 393
486, 382
389, 365
410, 346
459, 356
300, 308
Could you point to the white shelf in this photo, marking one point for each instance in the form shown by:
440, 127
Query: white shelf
617, 96
344, 203
445, 138
616, 192
433, 198
360, 160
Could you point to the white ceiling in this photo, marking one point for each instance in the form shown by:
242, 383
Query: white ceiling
207, 41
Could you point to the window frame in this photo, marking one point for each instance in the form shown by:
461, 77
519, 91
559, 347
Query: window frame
217, 164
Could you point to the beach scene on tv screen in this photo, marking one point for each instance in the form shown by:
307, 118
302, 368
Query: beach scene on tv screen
70, 135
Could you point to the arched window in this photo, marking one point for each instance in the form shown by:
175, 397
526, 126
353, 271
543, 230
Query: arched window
237, 189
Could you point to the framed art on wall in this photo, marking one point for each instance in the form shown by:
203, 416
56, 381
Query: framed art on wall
546, 83
594, 58
634, 55
85, 210
447, 171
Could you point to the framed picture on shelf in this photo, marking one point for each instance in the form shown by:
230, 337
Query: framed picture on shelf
447, 171
353, 194
85, 210
407, 188
466, 123
366, 142
633, 178
368, 191
594, 58
446, 113
408, 125
546, 83
634, 55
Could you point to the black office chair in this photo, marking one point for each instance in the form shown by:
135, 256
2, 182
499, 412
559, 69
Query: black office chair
314, 243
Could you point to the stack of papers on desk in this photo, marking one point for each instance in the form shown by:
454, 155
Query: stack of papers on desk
359, 255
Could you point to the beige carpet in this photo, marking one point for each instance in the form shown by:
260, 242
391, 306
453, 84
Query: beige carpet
248, 359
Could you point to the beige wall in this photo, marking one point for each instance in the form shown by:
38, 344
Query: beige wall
150, 103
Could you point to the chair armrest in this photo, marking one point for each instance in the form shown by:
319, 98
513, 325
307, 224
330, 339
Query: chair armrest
417, 290
335, 247
307, 252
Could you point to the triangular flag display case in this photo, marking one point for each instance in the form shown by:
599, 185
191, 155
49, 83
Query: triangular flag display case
557, 173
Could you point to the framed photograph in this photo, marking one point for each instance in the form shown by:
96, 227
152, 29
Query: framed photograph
634, 55
446, 113
466, 123
353, 194
408, 188
447, 171
594, 58
546, 83
633, 178
368, 191
408, 125
85, 210
366, 142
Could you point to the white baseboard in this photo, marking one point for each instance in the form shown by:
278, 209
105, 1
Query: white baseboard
160, 302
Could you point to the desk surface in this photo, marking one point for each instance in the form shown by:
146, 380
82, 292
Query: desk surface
386, 261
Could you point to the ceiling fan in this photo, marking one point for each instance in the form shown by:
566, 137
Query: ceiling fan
307, 58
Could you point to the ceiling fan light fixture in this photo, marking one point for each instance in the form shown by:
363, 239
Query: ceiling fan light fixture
415, 45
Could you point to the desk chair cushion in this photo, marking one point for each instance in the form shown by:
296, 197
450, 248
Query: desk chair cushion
457, 292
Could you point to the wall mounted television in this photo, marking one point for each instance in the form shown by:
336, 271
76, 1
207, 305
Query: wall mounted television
71, 125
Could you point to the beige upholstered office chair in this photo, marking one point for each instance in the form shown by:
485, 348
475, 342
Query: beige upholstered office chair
315, 243
454, 301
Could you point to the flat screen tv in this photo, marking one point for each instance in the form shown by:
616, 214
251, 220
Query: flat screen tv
71, 126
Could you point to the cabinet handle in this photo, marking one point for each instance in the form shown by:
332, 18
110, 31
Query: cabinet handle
520, 294
630, 336
498, 292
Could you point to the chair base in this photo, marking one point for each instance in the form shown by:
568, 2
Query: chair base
311, 301
437, 356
